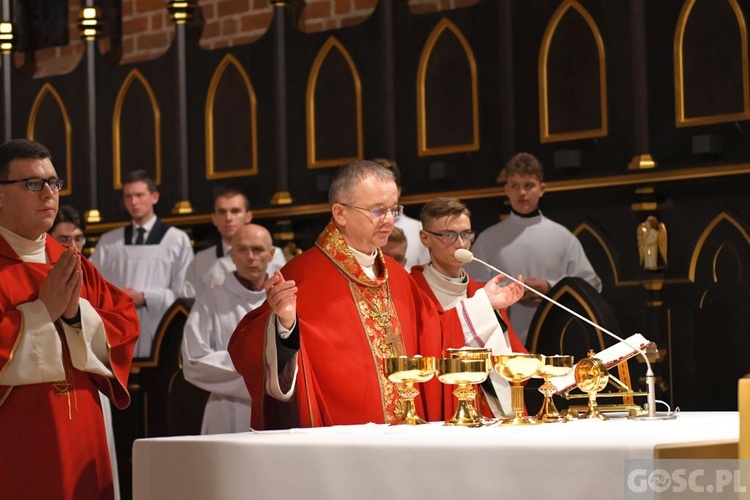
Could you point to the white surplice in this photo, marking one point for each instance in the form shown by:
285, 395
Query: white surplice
534, 247
206, 362
157, 270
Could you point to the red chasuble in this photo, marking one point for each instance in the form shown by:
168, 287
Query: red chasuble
453, 336
52, 435
348, 323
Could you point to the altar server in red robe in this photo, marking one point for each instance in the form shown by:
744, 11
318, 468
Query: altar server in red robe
65, 333
336, 311
446, 227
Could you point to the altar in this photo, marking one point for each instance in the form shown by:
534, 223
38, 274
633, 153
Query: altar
574, 460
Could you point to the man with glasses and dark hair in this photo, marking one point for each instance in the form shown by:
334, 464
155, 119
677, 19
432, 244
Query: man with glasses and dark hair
68, 229
446, 224
334, 313
65, 334
528, 243
147, 258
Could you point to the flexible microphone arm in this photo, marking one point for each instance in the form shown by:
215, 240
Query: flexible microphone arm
466, 256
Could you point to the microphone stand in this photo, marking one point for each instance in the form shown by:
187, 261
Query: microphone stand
466, 256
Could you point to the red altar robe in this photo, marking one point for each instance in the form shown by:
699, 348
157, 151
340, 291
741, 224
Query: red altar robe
454, 338
54, 446
341, 378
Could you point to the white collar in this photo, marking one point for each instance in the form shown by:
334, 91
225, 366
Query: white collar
455, 287
148, 226
28, 250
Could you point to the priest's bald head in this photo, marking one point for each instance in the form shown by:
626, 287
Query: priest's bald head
252, 251
29, 188
363, 198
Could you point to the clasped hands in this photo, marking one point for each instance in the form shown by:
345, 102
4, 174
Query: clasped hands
61, 289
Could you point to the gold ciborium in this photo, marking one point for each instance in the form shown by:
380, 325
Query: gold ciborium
517, 368
406, 372
552, 366
592, 377
463, 373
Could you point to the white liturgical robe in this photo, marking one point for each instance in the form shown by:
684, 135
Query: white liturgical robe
210, 267
206, 362
534, 247
158, 270
416, 252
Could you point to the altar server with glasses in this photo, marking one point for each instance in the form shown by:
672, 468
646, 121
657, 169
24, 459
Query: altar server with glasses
65, 335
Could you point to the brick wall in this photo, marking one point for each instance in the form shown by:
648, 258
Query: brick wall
147, 31
425, 6
233, 22
58, 60
322, 15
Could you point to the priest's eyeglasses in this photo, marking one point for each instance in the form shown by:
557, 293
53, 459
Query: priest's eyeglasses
450, 237
37, 183
380, 212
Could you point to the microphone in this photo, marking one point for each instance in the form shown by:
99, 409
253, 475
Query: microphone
465, 256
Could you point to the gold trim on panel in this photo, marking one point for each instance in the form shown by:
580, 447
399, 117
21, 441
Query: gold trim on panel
282, 198
645, 190
312, 83
704, 236
116, 145
679, 78
153, 359
211, 172
424, 60
47, 88
646, 206
731, 248
548, 307
585, 227
641, 162
545, 135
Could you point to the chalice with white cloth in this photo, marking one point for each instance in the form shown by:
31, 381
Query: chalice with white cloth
406, 372
552, 366
517, 368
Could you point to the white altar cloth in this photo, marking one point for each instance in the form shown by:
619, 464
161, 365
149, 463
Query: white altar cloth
581, 459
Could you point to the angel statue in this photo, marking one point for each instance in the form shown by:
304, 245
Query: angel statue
652, 242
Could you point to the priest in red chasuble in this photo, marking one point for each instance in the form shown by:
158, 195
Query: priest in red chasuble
65, 334
333, 314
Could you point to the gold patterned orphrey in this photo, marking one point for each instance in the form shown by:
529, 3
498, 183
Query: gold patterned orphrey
591, 376
406, 372
464, 373
552, 366
517, 368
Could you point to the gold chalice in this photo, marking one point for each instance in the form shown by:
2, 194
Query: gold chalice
480, 353
517, 368
592, 377
406, 372
552, 366
464, 373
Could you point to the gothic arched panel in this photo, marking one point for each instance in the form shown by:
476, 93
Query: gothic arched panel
49, 124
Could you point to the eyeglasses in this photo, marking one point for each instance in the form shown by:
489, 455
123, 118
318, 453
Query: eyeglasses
381, 212
37, 183
64, 239
450, 237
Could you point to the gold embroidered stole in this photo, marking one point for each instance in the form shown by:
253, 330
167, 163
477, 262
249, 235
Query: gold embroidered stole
376, 311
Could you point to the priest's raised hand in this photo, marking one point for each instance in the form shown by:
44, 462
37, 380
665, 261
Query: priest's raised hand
61, 289
281, 296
